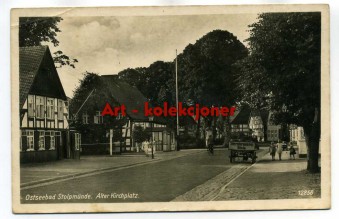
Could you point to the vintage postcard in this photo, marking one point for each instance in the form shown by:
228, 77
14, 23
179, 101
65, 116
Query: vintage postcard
181, 108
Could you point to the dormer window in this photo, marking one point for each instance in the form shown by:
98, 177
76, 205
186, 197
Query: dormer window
85, 118
98, 118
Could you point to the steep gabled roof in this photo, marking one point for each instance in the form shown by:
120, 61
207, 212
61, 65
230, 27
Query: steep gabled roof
31, 61
130, 96
264, 116
245, 113
243, 116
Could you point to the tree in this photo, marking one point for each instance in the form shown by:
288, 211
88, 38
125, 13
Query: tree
90, 97
207, 73
140, 134
282, 72
159, 82
134, 77
206, 68
35, 30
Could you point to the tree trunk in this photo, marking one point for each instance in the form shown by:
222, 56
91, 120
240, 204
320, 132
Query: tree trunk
197, 134
312, 137
312, 153
227, 132
214, 130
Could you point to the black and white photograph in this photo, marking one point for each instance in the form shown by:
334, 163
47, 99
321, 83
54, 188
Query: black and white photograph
186, 108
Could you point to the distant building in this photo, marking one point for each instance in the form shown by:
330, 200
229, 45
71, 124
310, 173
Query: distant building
96, 128
298, 137
240, 123
256, 124
273, 130
44, 130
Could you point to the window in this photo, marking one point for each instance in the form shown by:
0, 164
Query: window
23, 135
85, 118
30, 140
30, 106
50, 108
302, 134
40, 107
52, 140
235, 126
41, 140
66, 105
60, 109
98, 118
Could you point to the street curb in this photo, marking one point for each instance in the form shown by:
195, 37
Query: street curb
70, 176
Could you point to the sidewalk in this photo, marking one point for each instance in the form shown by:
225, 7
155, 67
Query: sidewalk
35, 173
267, 179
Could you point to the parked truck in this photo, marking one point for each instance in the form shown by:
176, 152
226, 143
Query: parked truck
243, 149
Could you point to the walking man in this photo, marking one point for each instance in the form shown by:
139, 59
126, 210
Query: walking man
292, 152
279, 149
273, 150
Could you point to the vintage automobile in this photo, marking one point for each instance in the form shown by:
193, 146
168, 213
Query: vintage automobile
244, 149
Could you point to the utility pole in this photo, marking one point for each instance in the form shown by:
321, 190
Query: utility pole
177, 97
111, 142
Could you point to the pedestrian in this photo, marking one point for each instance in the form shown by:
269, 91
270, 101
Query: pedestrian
210, 144
273, 150
279, 149
292, 152
145, 147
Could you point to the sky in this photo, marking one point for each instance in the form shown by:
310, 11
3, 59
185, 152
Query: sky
107, 45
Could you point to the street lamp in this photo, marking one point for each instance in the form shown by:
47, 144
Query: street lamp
151, 118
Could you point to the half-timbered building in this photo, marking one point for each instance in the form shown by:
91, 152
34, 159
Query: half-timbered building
96, 129
43, 108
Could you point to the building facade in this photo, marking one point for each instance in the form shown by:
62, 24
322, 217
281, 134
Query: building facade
273, 130
44, 129
240, 123
257, 124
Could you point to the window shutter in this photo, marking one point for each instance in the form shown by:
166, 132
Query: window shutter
24, 143
36, 140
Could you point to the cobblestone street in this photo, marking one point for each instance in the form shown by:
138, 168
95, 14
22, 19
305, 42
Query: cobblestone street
267, 179
286, 179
